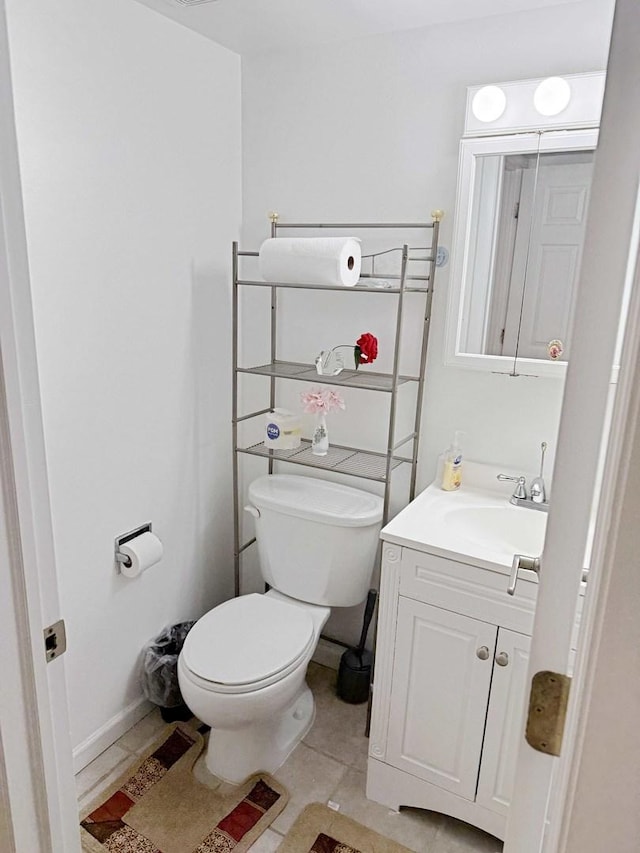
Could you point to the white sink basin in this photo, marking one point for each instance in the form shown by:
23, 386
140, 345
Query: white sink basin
515, 529
475, 524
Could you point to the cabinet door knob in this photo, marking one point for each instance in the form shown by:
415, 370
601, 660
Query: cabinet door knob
483, 652
502, 659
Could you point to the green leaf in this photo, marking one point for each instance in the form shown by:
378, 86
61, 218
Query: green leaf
356, 352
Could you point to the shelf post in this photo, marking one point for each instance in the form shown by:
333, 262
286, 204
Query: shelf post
394, 384
437, 216
273, 217
234, 420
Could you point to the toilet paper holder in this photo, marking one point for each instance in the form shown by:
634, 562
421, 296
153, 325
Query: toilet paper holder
127, 537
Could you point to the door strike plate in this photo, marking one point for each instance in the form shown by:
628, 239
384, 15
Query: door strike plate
547, 711
55, 640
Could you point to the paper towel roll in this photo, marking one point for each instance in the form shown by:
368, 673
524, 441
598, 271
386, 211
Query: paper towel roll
311, 260
143, 551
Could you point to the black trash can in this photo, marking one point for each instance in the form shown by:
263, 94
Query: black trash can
160, 672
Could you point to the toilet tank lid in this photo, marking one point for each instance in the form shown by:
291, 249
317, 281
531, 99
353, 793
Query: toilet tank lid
317, 500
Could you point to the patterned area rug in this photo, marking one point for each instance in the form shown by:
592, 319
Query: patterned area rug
159, 806
318, 829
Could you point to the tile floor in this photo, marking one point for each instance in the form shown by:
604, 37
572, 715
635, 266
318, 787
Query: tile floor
330, 764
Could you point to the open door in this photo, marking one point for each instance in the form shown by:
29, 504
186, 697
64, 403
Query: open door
609, 277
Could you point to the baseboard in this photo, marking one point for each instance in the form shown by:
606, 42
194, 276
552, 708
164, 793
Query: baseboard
328, 654
109, 733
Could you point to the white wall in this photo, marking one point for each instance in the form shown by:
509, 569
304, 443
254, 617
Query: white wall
129, 138
368, 130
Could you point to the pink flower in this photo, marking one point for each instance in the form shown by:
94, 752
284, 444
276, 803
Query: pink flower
321, 400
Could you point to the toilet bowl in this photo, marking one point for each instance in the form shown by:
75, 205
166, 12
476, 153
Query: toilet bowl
253, 694
243, 664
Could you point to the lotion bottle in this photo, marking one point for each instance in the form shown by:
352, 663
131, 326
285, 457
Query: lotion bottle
452, 467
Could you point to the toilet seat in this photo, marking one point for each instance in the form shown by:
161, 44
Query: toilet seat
247, 643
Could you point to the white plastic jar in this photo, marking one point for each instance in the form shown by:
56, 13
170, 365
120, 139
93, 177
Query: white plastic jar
283, 430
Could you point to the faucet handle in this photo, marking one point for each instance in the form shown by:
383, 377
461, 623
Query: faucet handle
520, 490
538, 492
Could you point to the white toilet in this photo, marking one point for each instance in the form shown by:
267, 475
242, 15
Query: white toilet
242, 668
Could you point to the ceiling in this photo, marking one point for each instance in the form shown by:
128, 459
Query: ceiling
254, 26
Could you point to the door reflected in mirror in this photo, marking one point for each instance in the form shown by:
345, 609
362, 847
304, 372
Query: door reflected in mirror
522, 207
527, 255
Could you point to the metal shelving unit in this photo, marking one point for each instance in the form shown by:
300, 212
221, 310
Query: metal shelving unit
353, 461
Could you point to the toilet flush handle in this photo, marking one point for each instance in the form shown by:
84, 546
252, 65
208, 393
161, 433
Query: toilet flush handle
255, 512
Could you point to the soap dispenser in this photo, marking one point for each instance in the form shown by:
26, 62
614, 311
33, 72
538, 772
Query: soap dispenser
452, 467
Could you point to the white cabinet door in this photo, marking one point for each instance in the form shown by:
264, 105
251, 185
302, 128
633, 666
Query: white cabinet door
439, 696
505, 721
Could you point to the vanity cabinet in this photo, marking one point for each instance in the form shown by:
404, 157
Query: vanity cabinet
439, 696
450, 687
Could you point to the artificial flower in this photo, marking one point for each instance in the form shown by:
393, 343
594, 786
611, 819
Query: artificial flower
366, 349
321, 400
330, 362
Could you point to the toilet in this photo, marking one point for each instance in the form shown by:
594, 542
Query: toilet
242, 667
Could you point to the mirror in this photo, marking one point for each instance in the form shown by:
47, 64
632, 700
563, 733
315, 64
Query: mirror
520, 218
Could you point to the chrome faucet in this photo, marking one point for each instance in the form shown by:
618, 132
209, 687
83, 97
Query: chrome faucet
537, 496
520, 496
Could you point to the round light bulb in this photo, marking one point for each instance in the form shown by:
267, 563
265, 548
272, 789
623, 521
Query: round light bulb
552, 96
488, 103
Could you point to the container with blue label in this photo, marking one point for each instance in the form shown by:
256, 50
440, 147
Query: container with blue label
283, 430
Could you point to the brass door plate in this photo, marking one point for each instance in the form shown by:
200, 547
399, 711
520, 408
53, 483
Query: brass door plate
547, 711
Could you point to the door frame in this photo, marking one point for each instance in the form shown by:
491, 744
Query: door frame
38, 808
612, 537
615, 578
589, 468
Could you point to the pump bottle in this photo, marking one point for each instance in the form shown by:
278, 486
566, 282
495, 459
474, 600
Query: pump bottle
452, 467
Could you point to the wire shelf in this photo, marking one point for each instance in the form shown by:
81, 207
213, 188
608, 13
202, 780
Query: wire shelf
364, 379
358, 288
342, 460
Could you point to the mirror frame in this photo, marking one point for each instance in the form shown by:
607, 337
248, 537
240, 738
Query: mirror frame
459, 282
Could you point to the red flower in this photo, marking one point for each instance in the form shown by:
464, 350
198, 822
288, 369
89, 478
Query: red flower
366, 349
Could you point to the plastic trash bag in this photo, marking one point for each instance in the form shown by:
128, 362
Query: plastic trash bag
160, 666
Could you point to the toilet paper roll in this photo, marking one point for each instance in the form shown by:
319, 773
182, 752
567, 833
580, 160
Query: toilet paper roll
143, 551
311, 260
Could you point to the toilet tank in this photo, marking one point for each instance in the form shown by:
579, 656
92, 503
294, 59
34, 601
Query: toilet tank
317, 540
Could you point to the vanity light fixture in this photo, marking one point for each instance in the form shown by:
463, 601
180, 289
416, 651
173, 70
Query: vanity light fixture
489, 103
567, 102
552, 96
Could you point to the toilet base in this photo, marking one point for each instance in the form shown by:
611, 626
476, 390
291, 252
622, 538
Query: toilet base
234, 755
